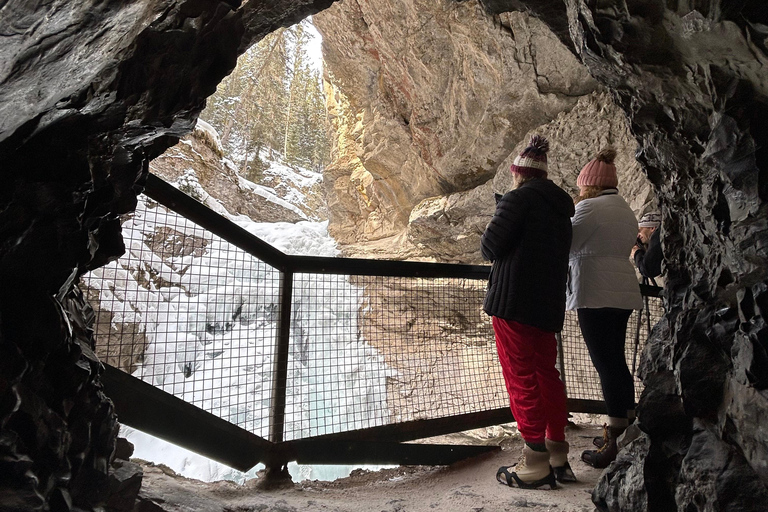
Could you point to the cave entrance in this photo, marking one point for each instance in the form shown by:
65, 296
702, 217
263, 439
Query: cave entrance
264, 136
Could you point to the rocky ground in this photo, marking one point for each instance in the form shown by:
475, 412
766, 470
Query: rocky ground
465, 486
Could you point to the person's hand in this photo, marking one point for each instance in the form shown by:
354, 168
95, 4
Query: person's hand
633, 251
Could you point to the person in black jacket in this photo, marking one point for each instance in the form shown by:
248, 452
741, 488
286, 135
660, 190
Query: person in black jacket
528, 241
647, 253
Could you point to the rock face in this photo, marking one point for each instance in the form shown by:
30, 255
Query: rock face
428, 98
197, 158
450, 227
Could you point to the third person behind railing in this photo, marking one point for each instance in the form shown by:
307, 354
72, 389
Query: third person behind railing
603, 289
647, 253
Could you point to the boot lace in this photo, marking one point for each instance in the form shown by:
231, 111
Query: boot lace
605, 439
520, 462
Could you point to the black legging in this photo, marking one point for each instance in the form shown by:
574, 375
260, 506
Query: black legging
604, 331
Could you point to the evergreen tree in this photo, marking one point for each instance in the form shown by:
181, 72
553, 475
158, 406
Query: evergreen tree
272, 101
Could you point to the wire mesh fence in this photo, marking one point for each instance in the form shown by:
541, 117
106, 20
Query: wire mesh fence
188, 312
199, 318
581, 378
408, 349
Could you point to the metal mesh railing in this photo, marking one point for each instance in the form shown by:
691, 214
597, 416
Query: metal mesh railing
190, 313
379, 350
199, 318
581, 378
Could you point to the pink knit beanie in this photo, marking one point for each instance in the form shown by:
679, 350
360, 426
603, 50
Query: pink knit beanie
532, 162
600, 171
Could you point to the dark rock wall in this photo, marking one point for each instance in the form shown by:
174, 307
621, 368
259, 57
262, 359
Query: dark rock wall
692, 78
694, 83
89, 93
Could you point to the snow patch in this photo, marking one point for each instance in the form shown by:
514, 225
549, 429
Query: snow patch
209, 133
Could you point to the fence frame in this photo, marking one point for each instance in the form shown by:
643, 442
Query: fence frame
147, 408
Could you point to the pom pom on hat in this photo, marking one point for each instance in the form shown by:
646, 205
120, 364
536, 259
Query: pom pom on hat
600, 171
650, 220
532, 162
607, 155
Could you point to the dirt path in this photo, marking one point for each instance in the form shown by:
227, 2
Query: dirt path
468, 485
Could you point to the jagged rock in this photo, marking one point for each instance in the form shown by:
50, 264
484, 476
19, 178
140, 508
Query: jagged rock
112, 347
618, 490
164, 491
451, 226
200, 152
427, 98
125, 480
123, 448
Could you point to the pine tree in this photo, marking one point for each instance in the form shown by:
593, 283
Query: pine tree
272, 101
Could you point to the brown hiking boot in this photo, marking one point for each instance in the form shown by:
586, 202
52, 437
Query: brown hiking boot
606, 454
599, 441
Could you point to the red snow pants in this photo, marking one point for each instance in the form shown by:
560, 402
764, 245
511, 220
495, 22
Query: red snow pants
528, 357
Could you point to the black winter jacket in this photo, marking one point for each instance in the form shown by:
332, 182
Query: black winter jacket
648, 260
528, 241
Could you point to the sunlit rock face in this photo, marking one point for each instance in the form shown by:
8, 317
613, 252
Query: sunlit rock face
450, 226
89, 93
428, 98
431, 101
693, 83
198, 159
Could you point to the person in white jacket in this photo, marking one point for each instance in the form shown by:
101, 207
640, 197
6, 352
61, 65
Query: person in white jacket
603, 289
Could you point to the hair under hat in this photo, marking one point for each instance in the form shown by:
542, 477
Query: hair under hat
532, 162
600, 171
650, 220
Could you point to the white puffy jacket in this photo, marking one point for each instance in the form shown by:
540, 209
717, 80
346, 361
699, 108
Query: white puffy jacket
600, 274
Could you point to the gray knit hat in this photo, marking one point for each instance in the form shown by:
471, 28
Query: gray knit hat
650, 220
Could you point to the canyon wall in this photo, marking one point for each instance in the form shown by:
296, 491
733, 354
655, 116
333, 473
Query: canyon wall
430, 101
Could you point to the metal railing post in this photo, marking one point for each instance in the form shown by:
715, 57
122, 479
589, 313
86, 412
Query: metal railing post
282, 346
637, 335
